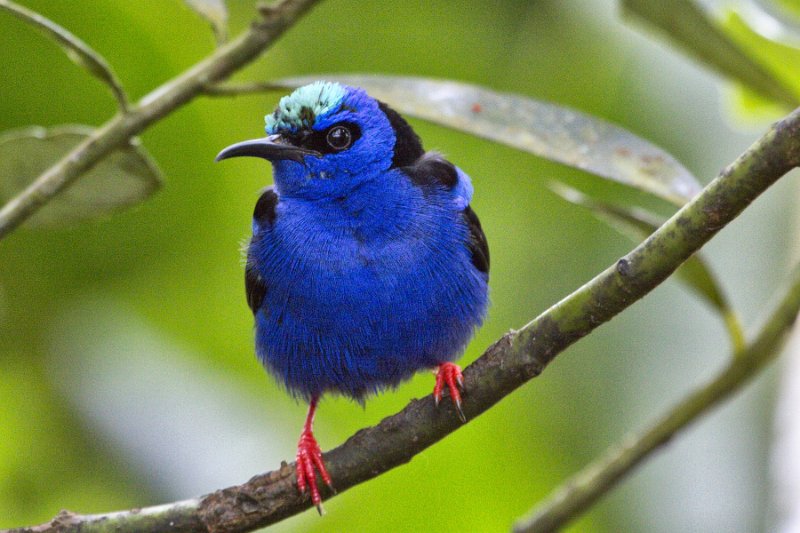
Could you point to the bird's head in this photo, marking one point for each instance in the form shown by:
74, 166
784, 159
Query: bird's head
325, 139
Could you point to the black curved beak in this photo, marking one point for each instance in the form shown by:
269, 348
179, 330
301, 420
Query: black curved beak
272, 148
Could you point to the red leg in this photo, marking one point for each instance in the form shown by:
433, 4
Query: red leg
450, 374
309, 457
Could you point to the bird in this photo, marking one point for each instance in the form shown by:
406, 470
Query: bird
366, 262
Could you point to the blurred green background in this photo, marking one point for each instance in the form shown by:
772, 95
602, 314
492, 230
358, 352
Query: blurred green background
127, 375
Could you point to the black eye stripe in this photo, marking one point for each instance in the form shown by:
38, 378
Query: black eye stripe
318, 140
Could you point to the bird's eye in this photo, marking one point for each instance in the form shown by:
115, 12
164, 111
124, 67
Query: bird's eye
339, 138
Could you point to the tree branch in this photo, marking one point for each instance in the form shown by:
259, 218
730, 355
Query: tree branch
577, 494
242, 89
513, 360
153, 107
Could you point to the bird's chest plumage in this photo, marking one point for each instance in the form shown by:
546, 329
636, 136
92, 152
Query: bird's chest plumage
360, 297
340, 272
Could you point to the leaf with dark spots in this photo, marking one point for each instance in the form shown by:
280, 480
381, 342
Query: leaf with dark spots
554, 132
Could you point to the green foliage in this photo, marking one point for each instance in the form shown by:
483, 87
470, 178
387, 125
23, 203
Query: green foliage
695, 29
124, 178
215, 13
782, 61
78, 51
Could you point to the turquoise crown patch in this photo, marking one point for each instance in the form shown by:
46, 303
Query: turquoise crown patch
300, 109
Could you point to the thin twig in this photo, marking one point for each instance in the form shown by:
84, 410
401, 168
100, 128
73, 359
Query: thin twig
735, 330
80, 52
581, 491
242, 89
153, 107
513, 360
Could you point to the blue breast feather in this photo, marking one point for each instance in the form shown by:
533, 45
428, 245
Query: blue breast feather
365, 290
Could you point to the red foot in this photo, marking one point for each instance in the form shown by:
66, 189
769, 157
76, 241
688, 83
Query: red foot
450, 374
309, 458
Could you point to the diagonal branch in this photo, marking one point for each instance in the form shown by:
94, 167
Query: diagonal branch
577, 494
242, 89
153, 107
513, 360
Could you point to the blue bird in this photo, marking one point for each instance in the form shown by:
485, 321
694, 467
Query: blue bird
366, 263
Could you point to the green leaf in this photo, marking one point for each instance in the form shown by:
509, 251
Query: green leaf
215, 13
77, 50
637, 225
124, 178
781, 60
547, 130
634, 223
691, 27
789, 8
746, 106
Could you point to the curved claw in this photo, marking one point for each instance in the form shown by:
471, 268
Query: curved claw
309, 458
450, 374
309, 462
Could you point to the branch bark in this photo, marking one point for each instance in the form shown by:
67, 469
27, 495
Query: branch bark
242, 89
509, 363
577, 494
153, 107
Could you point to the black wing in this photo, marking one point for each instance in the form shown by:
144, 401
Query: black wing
264, 217
432, 169
264, 213
478, 245
256, 288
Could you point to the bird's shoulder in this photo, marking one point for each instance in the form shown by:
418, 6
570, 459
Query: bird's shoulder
433, 170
